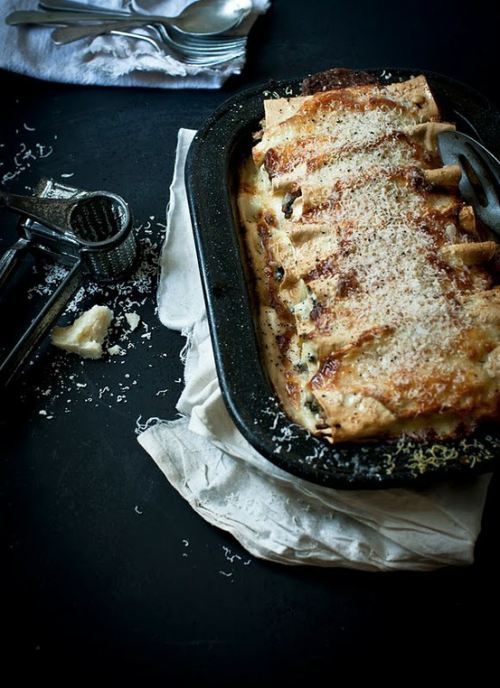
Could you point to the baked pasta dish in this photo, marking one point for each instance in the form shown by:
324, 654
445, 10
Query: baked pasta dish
378, 310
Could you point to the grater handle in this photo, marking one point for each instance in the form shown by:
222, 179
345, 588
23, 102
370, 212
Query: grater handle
16, 358
51, 212
10, 259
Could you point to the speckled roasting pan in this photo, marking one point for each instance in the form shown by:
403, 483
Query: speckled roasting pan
211, 184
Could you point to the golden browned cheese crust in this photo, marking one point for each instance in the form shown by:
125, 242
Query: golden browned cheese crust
377, 307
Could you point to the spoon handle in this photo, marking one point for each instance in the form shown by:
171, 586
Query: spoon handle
72, 6
41, 17
70, 34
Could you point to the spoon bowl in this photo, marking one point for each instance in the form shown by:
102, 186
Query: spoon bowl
209, 17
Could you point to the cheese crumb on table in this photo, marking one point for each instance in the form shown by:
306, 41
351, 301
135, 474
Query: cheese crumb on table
116, 350
86, 335
133, 320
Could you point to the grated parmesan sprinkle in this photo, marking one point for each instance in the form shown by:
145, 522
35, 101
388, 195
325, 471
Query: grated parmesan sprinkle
339, 206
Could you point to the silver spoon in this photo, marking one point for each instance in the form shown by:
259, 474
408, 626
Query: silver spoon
204, 17
234, 39
69, 34
200, 58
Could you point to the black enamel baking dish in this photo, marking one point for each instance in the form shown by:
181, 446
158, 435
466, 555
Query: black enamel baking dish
211, 180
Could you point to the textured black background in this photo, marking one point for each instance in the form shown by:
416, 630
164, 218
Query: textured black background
92, 589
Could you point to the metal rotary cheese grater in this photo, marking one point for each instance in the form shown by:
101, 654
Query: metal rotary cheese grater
88, 232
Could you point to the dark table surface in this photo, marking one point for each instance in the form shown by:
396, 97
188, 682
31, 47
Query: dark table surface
97, 578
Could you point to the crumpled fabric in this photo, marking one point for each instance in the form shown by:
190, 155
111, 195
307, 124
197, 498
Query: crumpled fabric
108, 60
273, 514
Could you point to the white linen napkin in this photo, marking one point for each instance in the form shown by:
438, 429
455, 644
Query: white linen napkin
275, 515
108, 60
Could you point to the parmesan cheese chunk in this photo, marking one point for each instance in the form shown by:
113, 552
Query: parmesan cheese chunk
86, 335
133, 320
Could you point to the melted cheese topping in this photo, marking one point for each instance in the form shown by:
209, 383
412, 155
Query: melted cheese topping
378, 312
